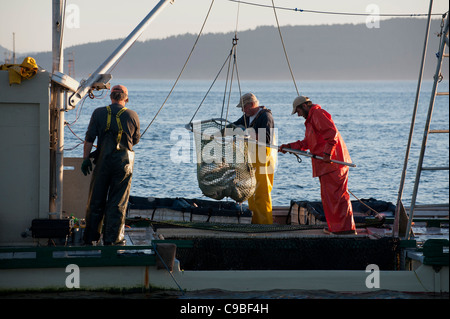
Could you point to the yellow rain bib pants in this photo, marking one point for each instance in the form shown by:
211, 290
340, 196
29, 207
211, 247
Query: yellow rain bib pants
260, 203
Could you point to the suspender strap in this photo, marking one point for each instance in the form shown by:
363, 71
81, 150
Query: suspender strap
108, 121
119, 124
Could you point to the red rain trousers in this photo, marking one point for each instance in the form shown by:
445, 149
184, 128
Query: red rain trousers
322, 136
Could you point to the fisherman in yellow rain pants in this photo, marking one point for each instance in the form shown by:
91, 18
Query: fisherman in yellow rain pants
258, 121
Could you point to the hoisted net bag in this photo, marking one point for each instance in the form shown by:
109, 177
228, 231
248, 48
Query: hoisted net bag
223, 165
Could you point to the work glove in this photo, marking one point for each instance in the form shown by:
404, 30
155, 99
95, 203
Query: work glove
326, 158
86, 166
280, 148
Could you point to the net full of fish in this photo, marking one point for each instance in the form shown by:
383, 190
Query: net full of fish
223, 166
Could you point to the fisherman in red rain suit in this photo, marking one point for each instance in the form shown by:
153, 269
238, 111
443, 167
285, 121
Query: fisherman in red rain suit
323, 139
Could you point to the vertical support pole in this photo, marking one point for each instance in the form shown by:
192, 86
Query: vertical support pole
426, 131
57, 114
14, 48
399, 207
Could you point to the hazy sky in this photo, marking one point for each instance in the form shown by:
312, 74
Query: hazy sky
97, 20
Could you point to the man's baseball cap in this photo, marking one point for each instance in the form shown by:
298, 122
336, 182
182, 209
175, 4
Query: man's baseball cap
119, 88
299, 100
247, 98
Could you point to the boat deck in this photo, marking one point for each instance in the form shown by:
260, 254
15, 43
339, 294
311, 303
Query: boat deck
431, 222
265, 258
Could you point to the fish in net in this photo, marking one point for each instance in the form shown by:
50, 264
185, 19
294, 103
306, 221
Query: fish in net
223, 165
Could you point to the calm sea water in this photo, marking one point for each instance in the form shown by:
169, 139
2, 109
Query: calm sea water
373, 117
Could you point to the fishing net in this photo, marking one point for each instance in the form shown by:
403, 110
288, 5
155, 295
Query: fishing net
223, 165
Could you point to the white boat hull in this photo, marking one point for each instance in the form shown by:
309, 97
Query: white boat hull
422, 280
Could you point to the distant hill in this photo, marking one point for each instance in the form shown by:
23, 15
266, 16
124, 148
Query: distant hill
325, 52
5, 54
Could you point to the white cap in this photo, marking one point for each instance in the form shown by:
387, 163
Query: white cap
299, 100
247, 98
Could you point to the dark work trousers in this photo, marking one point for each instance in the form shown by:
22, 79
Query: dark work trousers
108, 196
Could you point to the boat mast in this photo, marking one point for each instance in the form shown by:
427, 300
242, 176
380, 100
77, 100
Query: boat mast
57, 113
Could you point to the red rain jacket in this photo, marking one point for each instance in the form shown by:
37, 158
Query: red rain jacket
322, 136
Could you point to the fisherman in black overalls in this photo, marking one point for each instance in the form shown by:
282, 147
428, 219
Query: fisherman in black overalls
117, 129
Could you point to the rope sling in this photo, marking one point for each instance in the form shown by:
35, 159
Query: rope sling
223, 165
230, 172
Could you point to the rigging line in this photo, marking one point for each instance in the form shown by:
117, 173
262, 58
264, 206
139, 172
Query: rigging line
237, 18
78, 111
235, 69
184, 67
235, 40
155, 249
226, 80
284, 47
233, 52
72, 148
373, 210
231, 82
68, 126
215, 79
237, 76
339, 13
